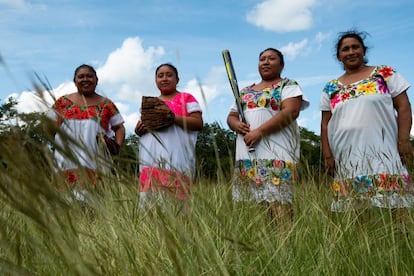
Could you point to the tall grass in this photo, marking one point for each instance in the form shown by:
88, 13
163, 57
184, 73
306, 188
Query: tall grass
43, 233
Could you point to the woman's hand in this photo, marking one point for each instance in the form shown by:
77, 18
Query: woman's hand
242, 128
233, 121
406, 152
252, 137
330, 165
140, 128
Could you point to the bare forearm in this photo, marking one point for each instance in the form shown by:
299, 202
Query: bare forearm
326, 150
233, 121
404, 116
120, 135
193, 122
404, 120
277, 122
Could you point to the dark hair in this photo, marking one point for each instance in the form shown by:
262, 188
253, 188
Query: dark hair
360, 36
169, 65
84, 66
279, 53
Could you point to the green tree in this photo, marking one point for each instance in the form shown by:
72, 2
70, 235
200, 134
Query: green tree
127, 161
215, 151
310, 155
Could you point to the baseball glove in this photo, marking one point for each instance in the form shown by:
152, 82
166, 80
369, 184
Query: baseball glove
155, 114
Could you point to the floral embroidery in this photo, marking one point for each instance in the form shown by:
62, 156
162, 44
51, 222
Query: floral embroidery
101, 113
266, 171
375, 84
368, 185
268, 97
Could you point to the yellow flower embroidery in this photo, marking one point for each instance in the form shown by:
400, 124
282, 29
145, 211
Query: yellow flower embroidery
276, 180
251, 173
367, 88
336, 187
262, 101
290, 165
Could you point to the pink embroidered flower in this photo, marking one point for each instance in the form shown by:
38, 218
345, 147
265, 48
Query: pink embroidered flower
335, 100
278, 164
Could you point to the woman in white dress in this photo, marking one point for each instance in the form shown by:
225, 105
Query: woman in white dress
271, 107
167, 156
365, 131
83, 118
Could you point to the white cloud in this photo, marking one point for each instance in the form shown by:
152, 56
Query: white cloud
128, 71
282, 16
304, 47
17, 4
125, 76
293, 49
321, 37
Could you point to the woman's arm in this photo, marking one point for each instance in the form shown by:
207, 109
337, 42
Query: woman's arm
119, 134
193, 122
329, 161
289, 111
234, 123
404, 120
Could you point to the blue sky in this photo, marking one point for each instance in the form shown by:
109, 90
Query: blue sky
125, 40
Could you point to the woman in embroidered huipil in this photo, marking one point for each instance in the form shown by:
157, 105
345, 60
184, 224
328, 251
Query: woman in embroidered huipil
83, 118
167, 156
365, 131
270, 108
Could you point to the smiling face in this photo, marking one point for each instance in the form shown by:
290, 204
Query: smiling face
270, 65
85, 80
166, 79
351, 52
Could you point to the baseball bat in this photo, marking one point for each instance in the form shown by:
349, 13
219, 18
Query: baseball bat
234, 86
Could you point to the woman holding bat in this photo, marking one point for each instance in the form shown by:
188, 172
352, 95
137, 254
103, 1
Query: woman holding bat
266, 175
167, 151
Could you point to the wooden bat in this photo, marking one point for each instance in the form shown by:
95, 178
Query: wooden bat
234, 86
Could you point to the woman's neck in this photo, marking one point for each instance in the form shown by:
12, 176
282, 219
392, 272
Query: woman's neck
86, 99
169, 96
352, 71
353, 75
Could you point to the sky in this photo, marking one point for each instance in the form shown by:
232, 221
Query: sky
126, 40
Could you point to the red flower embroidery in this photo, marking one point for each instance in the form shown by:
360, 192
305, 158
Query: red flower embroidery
274, 104
251, 105
386, 72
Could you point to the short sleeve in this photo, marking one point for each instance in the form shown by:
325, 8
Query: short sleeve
397, 84
324, 102
292, 89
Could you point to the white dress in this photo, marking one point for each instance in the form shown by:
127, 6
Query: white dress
268, 173
81, 125
363, 134
167, 156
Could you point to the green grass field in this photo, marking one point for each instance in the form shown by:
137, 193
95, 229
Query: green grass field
42, 233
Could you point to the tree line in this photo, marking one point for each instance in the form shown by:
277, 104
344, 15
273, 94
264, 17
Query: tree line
215, 147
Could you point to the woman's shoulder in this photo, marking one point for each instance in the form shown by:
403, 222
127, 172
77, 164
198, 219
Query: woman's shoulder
289, 81
71, 96
186, 97
285, 82
385, 71
65, 99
